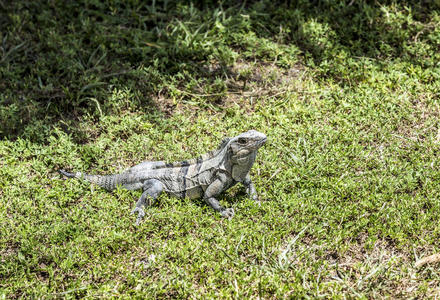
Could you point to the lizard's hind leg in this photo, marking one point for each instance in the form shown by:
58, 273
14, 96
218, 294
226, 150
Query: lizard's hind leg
152, 189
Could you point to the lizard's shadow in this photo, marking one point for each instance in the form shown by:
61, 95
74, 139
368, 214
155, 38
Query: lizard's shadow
230, 197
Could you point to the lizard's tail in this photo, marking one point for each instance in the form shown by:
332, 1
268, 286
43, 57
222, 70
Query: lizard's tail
108, 182
67, 174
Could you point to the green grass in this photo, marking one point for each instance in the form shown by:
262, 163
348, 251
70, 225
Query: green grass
347, 93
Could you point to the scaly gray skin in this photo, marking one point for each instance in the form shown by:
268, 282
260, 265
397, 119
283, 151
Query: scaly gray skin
206, 176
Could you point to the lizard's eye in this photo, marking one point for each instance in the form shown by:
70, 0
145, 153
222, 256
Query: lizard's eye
242, 141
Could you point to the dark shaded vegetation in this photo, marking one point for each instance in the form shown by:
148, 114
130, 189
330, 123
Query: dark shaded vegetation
61, 60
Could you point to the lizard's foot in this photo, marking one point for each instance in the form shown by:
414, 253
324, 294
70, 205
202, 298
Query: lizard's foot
141, 214
227, 213
255, 198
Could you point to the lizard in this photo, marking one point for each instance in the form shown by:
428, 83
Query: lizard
206, 176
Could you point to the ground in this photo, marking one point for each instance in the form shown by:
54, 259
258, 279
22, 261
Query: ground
346, 91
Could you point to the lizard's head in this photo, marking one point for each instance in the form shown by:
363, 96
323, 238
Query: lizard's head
247, 143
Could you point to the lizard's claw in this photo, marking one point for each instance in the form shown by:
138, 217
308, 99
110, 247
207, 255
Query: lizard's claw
254, 198
141, 214
227, 213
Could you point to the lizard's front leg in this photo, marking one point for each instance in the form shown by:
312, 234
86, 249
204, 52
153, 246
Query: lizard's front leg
214, 189
250, 188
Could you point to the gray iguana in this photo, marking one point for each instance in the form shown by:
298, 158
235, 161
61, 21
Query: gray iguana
206, 176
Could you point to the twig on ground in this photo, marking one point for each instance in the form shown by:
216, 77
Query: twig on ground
435, 258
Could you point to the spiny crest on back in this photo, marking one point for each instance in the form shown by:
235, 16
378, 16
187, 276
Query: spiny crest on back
201, 158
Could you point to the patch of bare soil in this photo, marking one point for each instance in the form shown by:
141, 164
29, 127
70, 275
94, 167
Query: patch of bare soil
246, 85
423, 124
8, 251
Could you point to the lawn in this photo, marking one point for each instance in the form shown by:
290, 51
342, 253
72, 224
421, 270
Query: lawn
346, 91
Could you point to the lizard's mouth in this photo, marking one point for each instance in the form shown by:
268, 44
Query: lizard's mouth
257, 144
